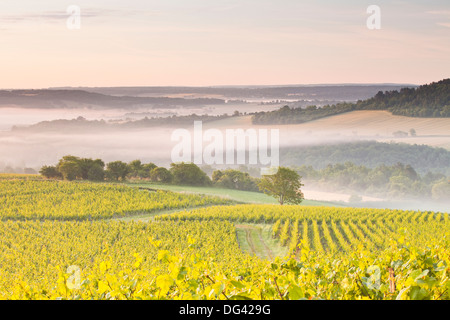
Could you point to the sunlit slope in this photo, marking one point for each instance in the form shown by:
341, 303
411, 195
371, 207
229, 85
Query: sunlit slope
61, 200
333, 230
356, 125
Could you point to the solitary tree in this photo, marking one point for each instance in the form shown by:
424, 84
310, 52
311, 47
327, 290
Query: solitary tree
283, 185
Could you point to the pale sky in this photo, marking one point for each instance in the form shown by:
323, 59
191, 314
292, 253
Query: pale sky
222, 42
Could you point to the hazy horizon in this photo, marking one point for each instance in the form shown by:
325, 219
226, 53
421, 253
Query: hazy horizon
228, 85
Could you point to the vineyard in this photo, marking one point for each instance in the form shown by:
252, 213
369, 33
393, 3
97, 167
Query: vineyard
20, 199
330, 230
62, 240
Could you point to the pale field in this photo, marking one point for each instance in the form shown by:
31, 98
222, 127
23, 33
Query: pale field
356, 125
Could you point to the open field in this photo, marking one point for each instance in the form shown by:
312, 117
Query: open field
235, 195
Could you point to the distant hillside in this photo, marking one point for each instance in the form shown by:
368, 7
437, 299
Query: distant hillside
370, 154
78, 98
431, 100
81, 124
338, 92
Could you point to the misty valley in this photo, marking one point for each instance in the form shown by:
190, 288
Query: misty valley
112, 124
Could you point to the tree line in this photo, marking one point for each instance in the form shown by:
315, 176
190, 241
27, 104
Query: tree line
75, 168
397, 181
432, 100
370, 154
284, 185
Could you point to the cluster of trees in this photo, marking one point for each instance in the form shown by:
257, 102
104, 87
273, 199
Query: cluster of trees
76, 168
370, 154
288, 115
235, 179
398, 181
432, 100
284, 185
72, 168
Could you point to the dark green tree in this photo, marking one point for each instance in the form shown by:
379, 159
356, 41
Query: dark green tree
284, 186
136, 169
50, 172
161, 174
117, 170
96, 173
235, 179
87, 164
69, 167
189, 174
147, 169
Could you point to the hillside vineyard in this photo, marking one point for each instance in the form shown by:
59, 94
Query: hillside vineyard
52, 248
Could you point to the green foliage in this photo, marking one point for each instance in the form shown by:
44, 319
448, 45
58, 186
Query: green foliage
234, 179
96, 173
398, 181
363, 253
283, 185
70, 168
139, 170
93, 166
332, 230
50, 172
189, 174
117, 170
432, 100
58, 200
369, 154
441, 190
161, 174
136, 169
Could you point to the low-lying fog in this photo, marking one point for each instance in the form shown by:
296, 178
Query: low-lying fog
10, 116
22, 149
34, 149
